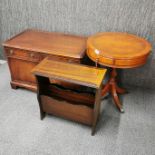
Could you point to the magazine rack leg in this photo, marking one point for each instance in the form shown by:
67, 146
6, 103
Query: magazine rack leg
42, 84
96, 109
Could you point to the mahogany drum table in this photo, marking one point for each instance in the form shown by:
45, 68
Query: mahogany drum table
117, 50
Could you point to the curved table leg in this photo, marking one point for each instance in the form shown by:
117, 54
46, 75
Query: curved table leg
120, 90
112, 87
116, 99
105, 89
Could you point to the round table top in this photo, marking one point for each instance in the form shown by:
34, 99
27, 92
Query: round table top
119, 50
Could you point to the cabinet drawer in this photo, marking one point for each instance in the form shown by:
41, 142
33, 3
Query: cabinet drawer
59, 58
22, 54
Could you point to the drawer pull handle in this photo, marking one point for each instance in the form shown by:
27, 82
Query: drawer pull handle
31, 55
69, 61
11, 52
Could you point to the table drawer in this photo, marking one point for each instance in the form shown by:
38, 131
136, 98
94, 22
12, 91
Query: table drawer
23, 54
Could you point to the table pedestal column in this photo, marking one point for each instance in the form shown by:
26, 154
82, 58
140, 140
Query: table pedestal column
113, 88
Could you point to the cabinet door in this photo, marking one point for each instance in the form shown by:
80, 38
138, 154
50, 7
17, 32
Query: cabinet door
21, 70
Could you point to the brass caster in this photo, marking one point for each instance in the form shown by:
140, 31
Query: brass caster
122, 110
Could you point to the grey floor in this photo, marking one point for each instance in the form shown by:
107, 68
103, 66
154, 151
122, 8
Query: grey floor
22, 132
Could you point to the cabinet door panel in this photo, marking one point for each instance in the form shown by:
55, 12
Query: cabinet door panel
21, 70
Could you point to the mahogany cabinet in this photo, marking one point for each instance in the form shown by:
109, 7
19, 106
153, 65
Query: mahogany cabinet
27, 49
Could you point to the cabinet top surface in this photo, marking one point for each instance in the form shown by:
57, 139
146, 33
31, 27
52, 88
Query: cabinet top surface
49, 42
75, 73
118, 45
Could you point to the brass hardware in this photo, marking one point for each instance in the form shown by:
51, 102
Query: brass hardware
11, 52
32, 55
97, 58
96, 62
69, 61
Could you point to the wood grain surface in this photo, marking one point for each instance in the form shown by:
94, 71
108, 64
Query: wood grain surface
78, 74
119, 50
59, 44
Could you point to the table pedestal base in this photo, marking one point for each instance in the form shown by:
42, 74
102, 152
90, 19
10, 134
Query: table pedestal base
113, 88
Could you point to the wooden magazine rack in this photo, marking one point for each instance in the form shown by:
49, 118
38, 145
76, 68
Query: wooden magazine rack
76, 105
